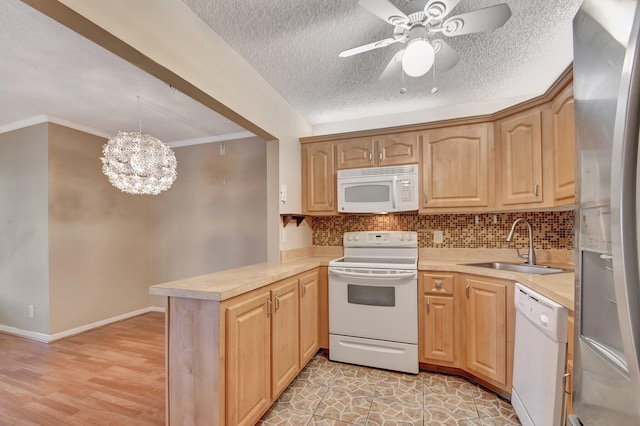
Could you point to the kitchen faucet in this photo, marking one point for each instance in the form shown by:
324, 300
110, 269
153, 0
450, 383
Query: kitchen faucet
531, 256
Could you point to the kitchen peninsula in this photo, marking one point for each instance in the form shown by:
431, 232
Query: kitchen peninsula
221, 329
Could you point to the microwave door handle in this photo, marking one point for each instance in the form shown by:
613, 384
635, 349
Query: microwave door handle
394, 201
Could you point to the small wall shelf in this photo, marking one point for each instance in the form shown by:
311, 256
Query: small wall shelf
286, 218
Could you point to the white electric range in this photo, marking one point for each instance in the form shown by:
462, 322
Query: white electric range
373, 301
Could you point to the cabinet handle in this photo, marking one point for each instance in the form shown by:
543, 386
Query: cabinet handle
330, 200
439, 285
381, 156
304, 288
535, 189
268, 306
428, 306
425, 198
371, 157
277, 302
565, 379
466, 289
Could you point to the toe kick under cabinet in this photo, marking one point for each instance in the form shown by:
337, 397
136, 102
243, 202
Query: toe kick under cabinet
229, 361
467, 326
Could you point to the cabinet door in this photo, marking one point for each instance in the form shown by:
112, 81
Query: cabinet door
309, 316
455, 166
248, 348
397, 149
285, 343
355, 153
486, 328
562, 113
520, 162
318, 179
437, 329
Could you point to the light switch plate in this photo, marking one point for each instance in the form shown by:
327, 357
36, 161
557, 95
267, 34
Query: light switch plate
283, 193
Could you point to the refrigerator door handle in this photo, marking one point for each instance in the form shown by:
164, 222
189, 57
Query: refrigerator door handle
624, 166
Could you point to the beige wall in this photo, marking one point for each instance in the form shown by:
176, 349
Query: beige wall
24, 272
196, 56
99, 237
215, 215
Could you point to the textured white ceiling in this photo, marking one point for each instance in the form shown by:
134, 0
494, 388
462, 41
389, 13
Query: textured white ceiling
47, 69
294, 45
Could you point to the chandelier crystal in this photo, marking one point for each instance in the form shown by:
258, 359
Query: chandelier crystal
138, 163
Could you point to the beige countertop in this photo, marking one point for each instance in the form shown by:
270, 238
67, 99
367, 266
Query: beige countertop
234, 282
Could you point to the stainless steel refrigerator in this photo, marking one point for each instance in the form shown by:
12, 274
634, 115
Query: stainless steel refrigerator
606, 381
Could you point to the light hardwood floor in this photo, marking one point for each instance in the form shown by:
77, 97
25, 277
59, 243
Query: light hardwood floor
113, 375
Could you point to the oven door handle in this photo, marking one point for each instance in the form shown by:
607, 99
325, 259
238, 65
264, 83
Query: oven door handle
365, 275
394, 196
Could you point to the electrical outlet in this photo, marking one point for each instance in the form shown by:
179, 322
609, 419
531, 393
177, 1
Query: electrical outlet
495, 219
437, 237
283, 193
477, 220
32, 311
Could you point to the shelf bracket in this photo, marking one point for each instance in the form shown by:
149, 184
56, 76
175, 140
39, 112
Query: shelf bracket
286, 218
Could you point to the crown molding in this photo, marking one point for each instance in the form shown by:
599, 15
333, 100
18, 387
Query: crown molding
211, 139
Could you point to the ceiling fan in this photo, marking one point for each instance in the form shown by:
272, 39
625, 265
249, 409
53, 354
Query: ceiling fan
422, 20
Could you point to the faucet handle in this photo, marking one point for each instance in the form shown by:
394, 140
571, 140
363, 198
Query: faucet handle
522, 256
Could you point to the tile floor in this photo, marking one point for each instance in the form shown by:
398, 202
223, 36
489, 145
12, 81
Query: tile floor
335, 394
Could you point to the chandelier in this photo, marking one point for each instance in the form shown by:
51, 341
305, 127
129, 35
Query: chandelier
138, 163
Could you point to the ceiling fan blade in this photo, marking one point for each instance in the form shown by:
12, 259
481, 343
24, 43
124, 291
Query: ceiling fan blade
438, 9
386, 11
392, 68
367, 47
486, 19
446, 56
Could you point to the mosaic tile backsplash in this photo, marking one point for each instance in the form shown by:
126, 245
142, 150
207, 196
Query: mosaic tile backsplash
551, 230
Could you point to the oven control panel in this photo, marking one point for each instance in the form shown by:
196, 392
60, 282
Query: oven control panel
381, 238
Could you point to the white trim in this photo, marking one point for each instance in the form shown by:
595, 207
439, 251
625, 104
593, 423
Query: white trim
211, 139
39, 119
47, 338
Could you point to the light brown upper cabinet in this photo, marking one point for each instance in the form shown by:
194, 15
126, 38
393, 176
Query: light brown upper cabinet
384, 150
318, 179
563, 127
519, 160
457, 167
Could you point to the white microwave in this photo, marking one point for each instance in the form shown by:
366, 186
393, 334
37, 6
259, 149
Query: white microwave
378, 189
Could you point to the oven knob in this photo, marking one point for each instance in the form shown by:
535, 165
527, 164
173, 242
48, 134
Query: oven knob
349, 238
356, 238
409, 237
402, 237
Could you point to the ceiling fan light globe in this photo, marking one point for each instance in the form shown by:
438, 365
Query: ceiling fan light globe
418, 57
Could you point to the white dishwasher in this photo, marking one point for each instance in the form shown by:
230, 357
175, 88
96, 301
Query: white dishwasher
539, 358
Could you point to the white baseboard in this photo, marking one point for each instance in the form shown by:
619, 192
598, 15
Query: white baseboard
48, 338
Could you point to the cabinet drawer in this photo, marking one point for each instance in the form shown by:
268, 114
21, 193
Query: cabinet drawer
441, 284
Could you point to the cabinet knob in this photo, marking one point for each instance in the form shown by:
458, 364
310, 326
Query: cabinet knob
330, 200
439, 285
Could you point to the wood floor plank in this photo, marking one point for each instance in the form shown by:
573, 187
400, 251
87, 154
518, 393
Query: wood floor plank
107, 376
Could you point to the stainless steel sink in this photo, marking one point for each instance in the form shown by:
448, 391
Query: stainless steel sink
519, 267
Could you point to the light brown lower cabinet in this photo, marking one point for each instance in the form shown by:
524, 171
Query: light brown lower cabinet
467, 323
285, 335
437, 327
309, 316
228, 361
248, 369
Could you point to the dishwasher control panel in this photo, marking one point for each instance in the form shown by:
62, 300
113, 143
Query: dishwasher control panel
546, 314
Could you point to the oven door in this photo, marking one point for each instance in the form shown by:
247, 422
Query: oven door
374, 303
